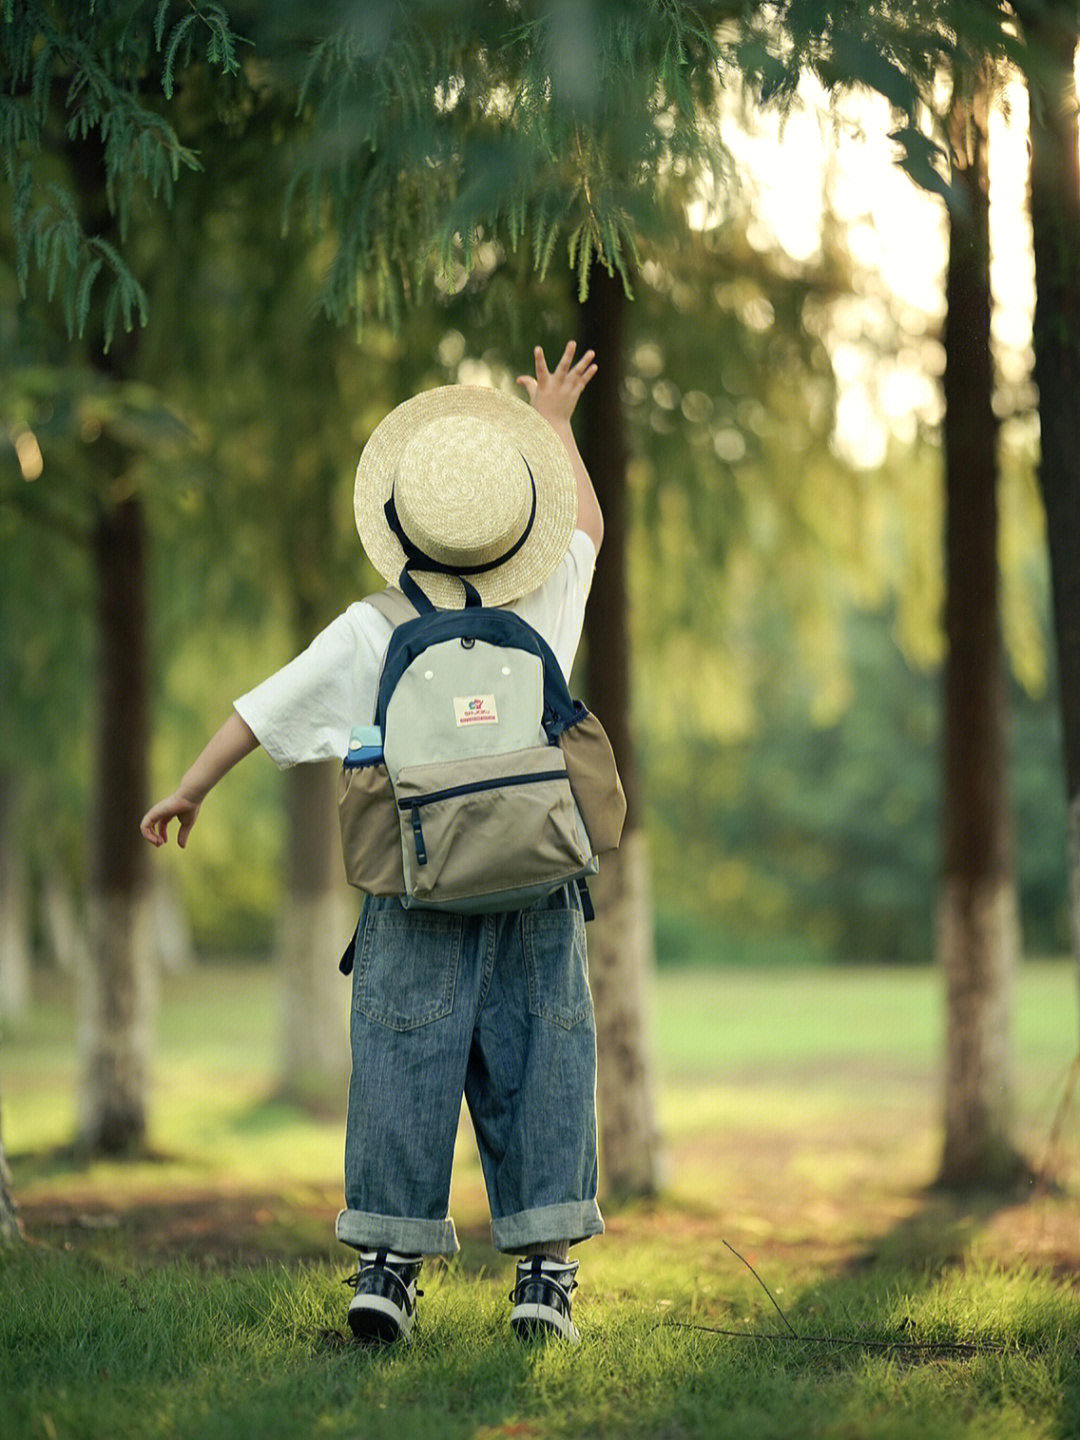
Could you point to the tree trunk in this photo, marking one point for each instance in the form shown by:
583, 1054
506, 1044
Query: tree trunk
621, 943
10, 1229
978, 905
320, 909
172, 945
14, 912
1055, 221
117, 985
62, 924
314, 1065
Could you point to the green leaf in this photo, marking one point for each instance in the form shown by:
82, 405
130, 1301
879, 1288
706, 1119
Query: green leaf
159, 23
86, 284
112, 310
55, 253
180, 31
585, 255
20, 211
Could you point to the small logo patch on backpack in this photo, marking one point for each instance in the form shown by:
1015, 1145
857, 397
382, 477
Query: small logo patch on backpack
475, 710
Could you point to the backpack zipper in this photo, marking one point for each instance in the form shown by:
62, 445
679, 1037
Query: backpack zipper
474, 787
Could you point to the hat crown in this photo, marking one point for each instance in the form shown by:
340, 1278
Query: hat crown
499, 493
462, 491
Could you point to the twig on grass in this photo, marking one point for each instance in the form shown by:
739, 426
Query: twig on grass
775, 1303
925, 1347
935, 1347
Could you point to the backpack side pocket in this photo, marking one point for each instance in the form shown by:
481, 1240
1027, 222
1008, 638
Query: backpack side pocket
370, 834
594, 779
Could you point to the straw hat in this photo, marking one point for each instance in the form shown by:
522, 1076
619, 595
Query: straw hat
469, 480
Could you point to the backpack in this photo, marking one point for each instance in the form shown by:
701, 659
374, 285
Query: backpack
493, 787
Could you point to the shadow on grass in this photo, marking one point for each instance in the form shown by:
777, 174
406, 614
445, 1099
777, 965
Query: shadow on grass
208, 1228
939, 1233
277, 1112
30, 1167
924, 1280
924, 1296
292, 1370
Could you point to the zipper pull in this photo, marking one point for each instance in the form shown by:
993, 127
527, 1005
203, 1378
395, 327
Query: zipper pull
418, 837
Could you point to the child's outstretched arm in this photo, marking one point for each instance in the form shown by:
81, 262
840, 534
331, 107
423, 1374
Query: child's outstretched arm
554, 393
231, 743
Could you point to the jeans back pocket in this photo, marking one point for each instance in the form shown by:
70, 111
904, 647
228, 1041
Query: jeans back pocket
553, 944
406, 965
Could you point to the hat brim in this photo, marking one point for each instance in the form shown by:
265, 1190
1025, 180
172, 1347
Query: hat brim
547, 458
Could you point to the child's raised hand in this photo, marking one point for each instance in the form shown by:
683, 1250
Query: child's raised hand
554, 393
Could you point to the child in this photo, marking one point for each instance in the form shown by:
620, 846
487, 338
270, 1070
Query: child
457, 484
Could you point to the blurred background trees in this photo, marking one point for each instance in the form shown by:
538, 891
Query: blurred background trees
460, 186
905, 52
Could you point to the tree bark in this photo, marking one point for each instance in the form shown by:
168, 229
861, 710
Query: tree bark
172, 946
117, 990
62, 924
621, 940
10, 1228
1052, 34
314, 1057
978, 933
15, 945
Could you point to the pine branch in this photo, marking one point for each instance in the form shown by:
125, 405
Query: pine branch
95, 78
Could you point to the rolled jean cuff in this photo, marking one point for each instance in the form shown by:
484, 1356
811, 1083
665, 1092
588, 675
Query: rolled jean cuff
394, 1232
576, 1220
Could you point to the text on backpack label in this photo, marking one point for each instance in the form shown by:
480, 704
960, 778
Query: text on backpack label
475, 710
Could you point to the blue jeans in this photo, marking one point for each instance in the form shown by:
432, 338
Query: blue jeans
495, 1007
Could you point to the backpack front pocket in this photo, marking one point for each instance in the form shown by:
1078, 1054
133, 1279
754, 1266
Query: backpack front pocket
492, 832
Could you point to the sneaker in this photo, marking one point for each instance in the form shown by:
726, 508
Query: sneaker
384, 1306
542, 1299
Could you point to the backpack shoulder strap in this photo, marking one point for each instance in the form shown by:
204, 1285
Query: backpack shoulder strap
396, 607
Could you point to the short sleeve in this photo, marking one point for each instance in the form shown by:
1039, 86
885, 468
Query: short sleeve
305, 711
557, 608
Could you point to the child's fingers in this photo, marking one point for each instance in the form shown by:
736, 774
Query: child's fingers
566, 359
542, 371
528, 383
578, 379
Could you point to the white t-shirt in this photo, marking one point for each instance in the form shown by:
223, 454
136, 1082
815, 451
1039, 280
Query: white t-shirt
306, 710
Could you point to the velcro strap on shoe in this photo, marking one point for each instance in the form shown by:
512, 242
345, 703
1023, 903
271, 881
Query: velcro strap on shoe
544, 1282
380, 1277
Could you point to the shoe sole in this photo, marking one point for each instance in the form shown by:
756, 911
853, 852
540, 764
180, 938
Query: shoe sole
536, 1322
379, 1321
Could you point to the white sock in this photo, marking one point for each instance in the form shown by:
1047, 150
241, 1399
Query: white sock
550, 1249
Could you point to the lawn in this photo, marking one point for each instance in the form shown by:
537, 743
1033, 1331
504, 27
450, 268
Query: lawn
197, 1293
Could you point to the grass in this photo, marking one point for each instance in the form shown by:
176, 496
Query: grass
198, 1295
164, 1351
